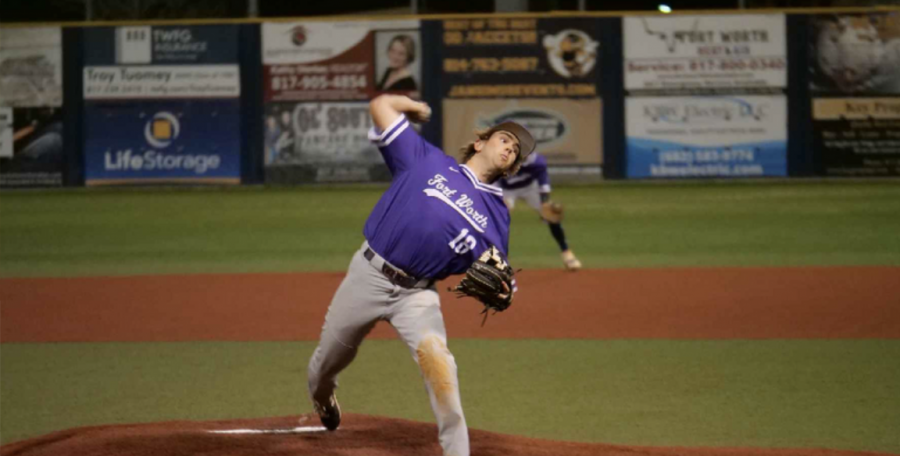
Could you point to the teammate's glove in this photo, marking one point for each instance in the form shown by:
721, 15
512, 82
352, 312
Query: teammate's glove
552, 211
489, 280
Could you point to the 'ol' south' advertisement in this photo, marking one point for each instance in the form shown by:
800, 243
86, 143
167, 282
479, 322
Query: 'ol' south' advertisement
162, 105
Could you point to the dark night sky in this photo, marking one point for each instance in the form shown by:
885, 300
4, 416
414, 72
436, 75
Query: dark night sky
74, 10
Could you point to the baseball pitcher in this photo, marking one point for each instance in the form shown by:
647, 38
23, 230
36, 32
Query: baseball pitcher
439, 217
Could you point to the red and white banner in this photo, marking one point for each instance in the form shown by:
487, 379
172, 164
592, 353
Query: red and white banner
338, 60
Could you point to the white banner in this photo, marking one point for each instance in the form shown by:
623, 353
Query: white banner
31, 67
160, 81
705, 52
708, 121
706, 136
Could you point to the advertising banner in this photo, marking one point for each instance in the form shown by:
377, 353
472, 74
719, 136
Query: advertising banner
854, 74
321, 142
567, 131
858, 136
161, 45
705, 52
855, 54
31, 67
161, 81
31, 121
162, 141
6, 132
725, 136
520, 57
162, 104
351, 60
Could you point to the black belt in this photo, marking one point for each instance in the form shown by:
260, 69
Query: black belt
396, 276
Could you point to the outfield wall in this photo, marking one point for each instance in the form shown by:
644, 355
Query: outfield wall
760, 93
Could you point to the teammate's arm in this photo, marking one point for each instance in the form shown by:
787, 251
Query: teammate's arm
386, 109
543, 178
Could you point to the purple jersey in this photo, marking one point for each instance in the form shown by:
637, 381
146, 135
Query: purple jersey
436, 218
534, 168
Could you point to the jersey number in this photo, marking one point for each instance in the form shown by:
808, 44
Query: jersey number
463, 243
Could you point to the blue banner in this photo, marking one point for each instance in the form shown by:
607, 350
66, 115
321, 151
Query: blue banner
662, 159
162, 141
161, 45
706, 136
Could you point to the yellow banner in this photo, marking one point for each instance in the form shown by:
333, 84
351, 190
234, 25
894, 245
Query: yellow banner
856, 108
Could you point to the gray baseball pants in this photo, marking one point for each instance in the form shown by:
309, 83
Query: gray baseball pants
365, 297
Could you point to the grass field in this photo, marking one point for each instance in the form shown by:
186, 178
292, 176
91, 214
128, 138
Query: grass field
838, 394
122, 231
832, 394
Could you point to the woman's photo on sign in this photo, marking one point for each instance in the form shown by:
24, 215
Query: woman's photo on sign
397, 62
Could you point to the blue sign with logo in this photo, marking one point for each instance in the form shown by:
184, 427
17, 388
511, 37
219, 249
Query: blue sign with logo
174, 141
161, 45
706, 136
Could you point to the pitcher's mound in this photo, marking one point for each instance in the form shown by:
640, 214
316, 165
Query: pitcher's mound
293, 436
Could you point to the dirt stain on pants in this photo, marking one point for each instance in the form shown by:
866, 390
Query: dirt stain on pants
436, 368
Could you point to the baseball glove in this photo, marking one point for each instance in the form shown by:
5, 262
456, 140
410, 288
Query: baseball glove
489, 280
552, 211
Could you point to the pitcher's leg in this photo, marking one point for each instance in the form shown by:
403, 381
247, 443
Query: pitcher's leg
420, 324
354, 311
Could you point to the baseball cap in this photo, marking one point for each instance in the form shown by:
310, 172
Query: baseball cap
526, 141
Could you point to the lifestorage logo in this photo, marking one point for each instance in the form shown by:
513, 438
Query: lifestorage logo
161, 131
127, 160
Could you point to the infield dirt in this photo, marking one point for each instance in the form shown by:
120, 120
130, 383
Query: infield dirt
683, 303
745, 303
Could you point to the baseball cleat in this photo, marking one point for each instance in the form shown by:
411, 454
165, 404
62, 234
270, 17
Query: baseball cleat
330, 413
570, 261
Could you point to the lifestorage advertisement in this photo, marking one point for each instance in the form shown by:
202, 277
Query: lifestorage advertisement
161, 104
31, 114
726, 136
318, 78
162, 142
704, 52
